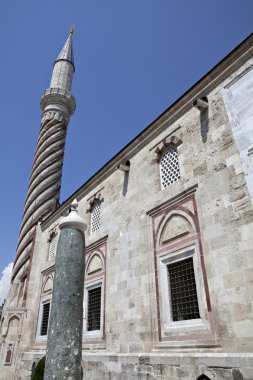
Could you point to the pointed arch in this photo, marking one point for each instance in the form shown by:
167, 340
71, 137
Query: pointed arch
14, 319
175, 225
48, 284
9, 354
11, 327
95, 263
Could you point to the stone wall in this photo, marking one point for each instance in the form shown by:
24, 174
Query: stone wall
137, 339
166, 367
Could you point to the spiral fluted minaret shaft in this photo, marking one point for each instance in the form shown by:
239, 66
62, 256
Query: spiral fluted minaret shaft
43, 194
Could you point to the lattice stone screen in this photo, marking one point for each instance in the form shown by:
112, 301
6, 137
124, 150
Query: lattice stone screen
95, 216
169, 167
52, 248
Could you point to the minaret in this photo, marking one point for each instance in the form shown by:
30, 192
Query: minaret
57, 104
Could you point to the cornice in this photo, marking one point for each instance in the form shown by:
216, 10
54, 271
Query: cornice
203, 87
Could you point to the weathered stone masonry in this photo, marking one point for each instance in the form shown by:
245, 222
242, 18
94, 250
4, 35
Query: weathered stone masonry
204, 218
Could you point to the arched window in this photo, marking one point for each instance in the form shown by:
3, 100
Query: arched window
203, 377
169, 166
95, 216
9, 353
94, 293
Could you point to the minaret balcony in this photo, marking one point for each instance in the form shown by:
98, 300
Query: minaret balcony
55, 96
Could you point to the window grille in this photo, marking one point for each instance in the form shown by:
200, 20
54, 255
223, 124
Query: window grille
45, 319
94, 309
169, 167
52, 248
183, 293
95, 216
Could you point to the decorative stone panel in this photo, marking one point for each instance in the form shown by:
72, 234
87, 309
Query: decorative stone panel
176, 236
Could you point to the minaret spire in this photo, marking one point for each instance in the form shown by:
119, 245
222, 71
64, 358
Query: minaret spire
67, 50
64, 66
57, 104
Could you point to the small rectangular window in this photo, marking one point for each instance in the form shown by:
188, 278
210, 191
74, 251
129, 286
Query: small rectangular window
45, 319
94, 309
183, 292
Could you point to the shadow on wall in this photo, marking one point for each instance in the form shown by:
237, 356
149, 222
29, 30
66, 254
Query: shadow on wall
38, 370
125, 169
125, 184
201, 104
204, 125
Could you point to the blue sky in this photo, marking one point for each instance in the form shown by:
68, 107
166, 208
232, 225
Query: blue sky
133, 59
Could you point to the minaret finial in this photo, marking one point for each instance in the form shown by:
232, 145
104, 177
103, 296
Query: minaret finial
71, 32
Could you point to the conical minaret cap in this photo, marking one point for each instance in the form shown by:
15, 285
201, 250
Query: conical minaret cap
67, 51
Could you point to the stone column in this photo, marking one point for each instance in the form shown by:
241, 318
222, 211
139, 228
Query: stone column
64, 352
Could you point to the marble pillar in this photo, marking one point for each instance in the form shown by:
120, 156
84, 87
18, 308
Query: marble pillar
64, 352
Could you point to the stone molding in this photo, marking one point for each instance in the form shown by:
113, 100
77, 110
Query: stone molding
96, 245
179, 197
186, 242
206, 84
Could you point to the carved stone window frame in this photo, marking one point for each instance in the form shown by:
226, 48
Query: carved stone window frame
93, 279
168, 326
184, 205
93, 201
43, 338
163, 146
46, 297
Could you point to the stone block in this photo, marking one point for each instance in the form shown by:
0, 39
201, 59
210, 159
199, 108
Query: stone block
243, 328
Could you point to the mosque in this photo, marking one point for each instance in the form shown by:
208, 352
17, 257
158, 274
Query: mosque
168, 282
